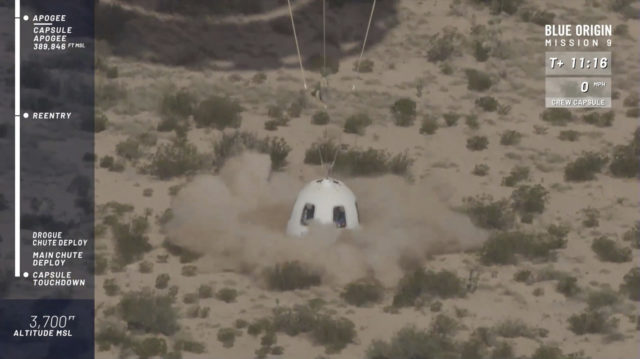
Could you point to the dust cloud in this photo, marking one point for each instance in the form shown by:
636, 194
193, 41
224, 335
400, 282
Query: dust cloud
237, 220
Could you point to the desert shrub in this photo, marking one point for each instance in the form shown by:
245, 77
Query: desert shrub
489, 214
363, 292
480, 51
591, 322
110, 163
110, 287
227, 336
364, 66
631, 284
529, 200
320, 118
538, 17
290, 276
569, 135
602, 298
514, 328
205, 291
429, 125
131, 239
625, 161
477, 143
189, 270
451, 118
591, 217
472, 122
227, 295
523, 275
412, 343
296, 106
568, 285
129, 149
599, 119
101, 122
404, 112
230, 145
480, 169
548, 352
218, 112
505, 247
585, 167
190, 346
517, 175
176, 159
477, 80
442, 45
633, 236
426, 283
110, 333
487, 103
150, 347
333, 333
502, 350
556, 116
148, 312
633, 112
179, 104
357, 123
608, 250
162, 281
316, 63
510, 138
357, 162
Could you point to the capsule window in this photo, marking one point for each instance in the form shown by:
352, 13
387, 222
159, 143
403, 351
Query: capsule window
308, 211
339, 216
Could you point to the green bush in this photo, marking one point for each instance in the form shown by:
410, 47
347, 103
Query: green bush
357, 123
487, 103
291, 276
489, 214
556, 116
451, 118
529, 200
505, 247
591, 322
150, 347
569, 135
515, 328
404, 112
131, 239
110, 287
523, 275
363, 292
420, 283
180, 104
227, 336
218, 112
602, 298
548, 352
480, 169
129, 149
357, 162
624, 161
517, 175
568, 285
477, 143
633, 236
442, 45
162, 281
608, 250
148, 312
429, 125
101, 122
631, 284
190, 346
477, 80
585, 167
591, 217
364, 66
333, 333
227, 295
599, 119
320, 118
472, 122
176, 159
510, 138
205, 291
232, 144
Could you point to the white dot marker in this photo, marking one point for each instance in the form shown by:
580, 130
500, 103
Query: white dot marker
25, 115
25, 274
25, 18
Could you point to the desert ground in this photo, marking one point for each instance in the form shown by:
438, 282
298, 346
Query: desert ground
491, 226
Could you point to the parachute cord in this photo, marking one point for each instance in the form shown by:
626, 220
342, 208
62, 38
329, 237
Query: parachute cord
324, 37
295, 36
366, 36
